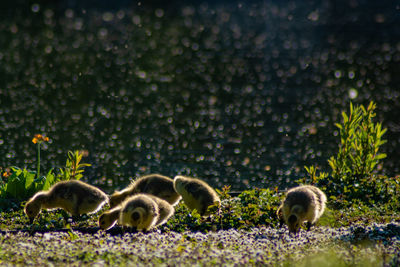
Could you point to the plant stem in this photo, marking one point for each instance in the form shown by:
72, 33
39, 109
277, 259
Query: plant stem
38, 161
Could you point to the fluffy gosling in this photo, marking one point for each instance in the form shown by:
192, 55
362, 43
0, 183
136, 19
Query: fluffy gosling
302, 203
109, 218
165, 211
196, 194
154, 184
73, 196
139, 211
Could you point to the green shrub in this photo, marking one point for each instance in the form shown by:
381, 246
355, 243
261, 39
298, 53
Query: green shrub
73, 167
354, 175
360, 140
252, 208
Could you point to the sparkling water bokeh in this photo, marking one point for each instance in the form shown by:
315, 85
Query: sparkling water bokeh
236, 93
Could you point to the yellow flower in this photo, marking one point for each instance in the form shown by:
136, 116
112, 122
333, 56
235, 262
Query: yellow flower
39, 138
7, 173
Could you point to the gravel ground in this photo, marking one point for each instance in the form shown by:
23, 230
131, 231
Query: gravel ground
373, 245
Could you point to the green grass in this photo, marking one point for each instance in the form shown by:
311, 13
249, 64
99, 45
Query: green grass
234, 213
345, 237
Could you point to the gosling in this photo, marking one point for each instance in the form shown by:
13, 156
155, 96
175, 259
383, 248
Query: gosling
139, 211
154, 184
73, 196
302, 203
165, 211
109, 218
196, 194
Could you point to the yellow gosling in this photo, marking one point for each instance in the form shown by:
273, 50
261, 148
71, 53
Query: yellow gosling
165, 211
196, 194
154, 184
73, 196
301, 204
109, 218
139, 211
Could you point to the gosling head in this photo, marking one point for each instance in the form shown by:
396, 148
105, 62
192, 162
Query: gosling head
180, 182
32, 209
293, 223
135, 218
105, 221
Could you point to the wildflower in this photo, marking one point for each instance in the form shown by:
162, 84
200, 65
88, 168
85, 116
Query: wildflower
40, 138
7, 173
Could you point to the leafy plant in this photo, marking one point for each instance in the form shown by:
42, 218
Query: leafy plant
360, 140
259, 206
20, 184
73, 167
224, 192
313, 178
353, 176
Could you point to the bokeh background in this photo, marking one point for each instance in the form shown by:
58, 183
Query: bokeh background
240, 93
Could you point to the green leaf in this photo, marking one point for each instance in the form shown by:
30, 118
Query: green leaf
50, 178
345, 118
382, 132
380, 156
382, 142
371, 106
16, 170
338, 125
29, 179
332, 163
47, 184
16, 186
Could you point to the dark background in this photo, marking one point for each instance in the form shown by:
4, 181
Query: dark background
239, 93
